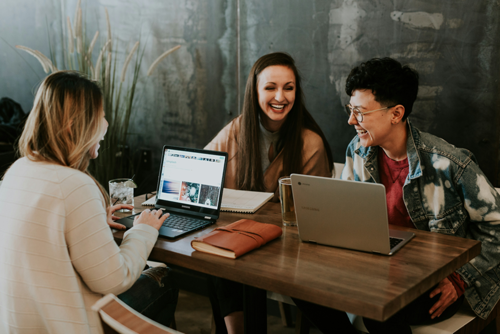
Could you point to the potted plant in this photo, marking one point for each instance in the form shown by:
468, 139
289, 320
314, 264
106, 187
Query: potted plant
118, 93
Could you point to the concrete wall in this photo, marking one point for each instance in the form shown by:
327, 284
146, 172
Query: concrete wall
453, 44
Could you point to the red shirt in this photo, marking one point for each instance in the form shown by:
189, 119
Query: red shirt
393, 175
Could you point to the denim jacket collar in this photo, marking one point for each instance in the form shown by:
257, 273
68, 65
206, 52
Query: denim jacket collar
412, 146
370, 154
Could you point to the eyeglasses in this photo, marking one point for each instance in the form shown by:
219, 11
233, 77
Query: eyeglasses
358, 114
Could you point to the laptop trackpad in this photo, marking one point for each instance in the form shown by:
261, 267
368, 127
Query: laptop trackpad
127, 221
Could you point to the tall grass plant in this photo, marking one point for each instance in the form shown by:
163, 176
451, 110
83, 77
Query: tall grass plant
118, 93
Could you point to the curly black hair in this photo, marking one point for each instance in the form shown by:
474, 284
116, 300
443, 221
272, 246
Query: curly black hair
390, 82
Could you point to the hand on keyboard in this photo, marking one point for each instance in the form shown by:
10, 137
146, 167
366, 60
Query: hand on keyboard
154, 218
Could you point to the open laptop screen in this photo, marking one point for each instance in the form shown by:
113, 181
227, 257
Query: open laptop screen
191, 179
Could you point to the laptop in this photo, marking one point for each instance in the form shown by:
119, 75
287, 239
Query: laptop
345, 214
190, 185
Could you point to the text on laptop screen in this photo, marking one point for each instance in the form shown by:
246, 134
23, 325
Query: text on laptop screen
191, 177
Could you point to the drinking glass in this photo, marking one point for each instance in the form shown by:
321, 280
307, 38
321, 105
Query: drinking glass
286, 200
120, 193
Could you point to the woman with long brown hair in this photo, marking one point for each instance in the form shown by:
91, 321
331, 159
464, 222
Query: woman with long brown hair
57, 252
274, 136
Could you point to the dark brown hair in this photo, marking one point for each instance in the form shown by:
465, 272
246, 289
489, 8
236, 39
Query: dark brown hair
250, 175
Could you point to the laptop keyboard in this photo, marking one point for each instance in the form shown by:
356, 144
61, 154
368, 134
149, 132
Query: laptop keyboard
394, 241
185, 224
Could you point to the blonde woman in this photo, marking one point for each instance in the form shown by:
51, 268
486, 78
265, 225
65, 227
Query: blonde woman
57, 252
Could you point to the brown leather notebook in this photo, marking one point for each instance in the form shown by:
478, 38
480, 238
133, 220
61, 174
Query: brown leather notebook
236, 239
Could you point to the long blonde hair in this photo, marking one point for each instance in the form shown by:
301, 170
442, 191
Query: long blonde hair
65, 123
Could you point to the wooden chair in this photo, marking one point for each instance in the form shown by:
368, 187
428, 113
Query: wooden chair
155, 264
337, 170
284, 304
302, 326
463, 322
118, 317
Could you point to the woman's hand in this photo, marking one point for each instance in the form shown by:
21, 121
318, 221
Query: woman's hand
448, 297
151, 218
111, 217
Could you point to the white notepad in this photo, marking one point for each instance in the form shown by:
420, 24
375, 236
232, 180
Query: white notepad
243, 201
235, 200
150, 202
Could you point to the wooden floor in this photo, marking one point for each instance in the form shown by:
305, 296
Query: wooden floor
194, 316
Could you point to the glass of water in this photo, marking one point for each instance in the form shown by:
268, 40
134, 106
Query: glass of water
121, 192
286, 200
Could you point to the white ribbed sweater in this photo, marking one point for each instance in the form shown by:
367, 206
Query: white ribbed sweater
57, 253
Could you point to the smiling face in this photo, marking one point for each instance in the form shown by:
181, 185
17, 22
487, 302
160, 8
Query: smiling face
276, 93
94, 150
376, 129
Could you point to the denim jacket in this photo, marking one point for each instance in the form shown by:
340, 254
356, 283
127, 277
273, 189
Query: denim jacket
446, 192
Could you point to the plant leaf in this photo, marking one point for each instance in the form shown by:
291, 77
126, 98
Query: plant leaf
71, 46
47, 61
107, 71
75, 18
109, 28
127, 61
91, 47
160, 58
78, 32
44, 61
99, 62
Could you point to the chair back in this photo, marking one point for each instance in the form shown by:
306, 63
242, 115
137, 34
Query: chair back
337, 170
118, 317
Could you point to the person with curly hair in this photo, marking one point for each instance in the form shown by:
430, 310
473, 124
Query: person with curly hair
430, 185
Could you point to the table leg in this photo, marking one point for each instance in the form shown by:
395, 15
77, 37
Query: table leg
255, 310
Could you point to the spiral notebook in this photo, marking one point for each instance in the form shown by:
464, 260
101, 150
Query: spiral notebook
235, 200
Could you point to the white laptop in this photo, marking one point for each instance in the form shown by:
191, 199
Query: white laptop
345, 214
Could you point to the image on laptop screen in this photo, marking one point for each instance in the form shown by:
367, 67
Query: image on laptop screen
191, 179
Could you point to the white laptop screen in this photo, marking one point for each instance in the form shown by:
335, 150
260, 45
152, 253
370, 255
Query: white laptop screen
191, 178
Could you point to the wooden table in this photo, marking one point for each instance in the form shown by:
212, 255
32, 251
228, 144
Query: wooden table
369, 285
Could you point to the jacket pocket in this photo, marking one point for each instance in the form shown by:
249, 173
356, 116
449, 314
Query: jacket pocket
450, 221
